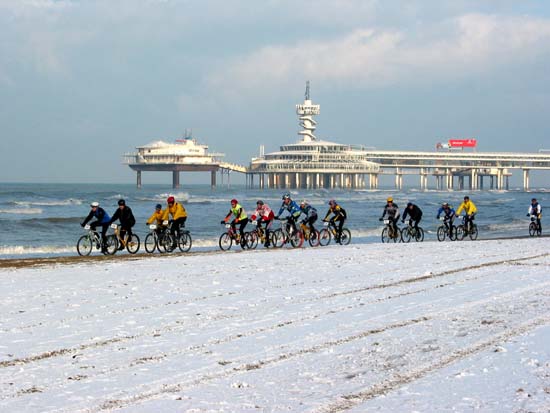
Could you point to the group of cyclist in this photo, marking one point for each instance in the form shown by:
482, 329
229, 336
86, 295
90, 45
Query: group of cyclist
414, 213
264, 216
294, 213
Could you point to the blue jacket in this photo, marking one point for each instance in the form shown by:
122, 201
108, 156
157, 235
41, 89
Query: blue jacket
99, 214
293, 209
448, 214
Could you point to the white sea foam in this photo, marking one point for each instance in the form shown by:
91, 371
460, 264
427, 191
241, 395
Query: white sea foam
62, 202
18, 211
25, 250
180, 196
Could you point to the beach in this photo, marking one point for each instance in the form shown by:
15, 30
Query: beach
427, 326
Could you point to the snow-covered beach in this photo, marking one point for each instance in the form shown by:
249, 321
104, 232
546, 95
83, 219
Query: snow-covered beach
460, 326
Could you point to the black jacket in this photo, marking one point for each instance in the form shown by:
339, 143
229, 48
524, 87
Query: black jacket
415, 213
125, 216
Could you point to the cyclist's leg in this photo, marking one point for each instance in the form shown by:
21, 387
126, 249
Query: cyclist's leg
312, 220
242, 224
417, 222
104, 228
339, 229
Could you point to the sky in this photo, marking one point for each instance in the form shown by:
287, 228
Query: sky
83, 82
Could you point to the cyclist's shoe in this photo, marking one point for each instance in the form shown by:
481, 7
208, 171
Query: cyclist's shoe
267, 244
120, 247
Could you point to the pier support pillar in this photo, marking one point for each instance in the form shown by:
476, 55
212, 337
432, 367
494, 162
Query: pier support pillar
175, 179
138, 179
526, 179
213, 179
473, 180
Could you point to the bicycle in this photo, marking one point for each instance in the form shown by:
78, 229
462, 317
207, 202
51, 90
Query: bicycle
389, 234
330, 231
257, 235
130, 241
462, 230
534, 227
157, 238
168, 241
86, 243
312, 237
286, 233
231, 236
410, 232
446, 230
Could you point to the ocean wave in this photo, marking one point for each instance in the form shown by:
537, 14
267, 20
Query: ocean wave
23, 211
52, 220
63, 202
25, 250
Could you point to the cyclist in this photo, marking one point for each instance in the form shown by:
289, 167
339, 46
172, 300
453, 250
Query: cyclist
179, 216
126, 217
311, 216
448, 214
393, 213
414, 213
265, 215
102, 218
535, 209
293, 210
240, 218
470, 211
338, 214
156, 217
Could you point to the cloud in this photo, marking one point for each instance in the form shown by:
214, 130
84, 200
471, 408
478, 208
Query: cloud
467, 45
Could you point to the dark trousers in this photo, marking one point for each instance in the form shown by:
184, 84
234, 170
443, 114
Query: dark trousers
309, 222
267, 227
177, 224
104, 228
414, 223
242, 223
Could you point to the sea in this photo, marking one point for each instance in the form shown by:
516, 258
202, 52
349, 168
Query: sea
42, 220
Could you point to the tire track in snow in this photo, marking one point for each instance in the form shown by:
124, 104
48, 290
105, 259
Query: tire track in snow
163, 388
176, 326
352, 400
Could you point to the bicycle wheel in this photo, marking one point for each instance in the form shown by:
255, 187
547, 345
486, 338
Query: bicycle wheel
111, 244
386, 235
452, 233
314, 238
278, 238
252, 239
84, 245
345, 237
133, 243
473, 232
297, 239
324, 237
441, 233
532, 229
460, 232
419, 236
150, 243
167, 242
185, 241
406, 234
397, 237
225, 241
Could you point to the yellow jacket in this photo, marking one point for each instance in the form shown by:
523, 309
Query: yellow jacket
157, 216
177, 211
469, 207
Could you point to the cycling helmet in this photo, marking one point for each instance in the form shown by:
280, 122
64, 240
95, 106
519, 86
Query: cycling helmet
94, 204
534, 200
409, 204
158, 206
234, 201
390, 199
121, 202
332, 202
466, 198
303, 202
259, 202
286, 196
445, 204
171, 200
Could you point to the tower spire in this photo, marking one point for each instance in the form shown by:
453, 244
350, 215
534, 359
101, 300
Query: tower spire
306, 111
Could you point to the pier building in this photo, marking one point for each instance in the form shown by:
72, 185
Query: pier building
183, 155
315, 163
312, 163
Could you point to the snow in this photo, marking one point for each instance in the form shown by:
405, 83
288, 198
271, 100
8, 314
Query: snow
446, 327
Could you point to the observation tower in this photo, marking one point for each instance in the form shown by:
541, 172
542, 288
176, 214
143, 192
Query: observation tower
310, 162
